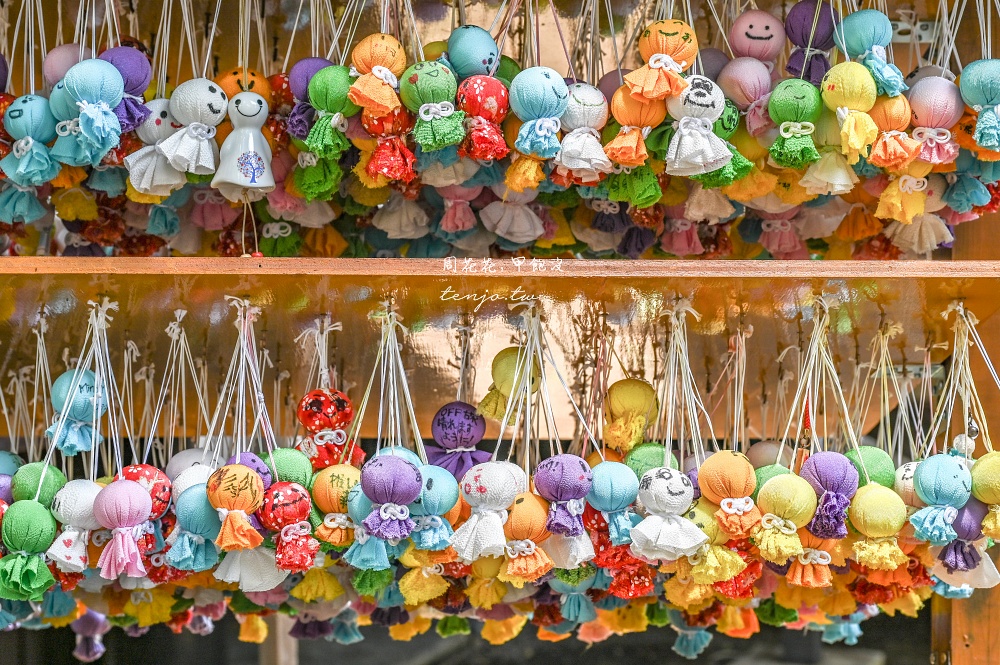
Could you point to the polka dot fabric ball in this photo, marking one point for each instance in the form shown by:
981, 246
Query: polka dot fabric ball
484, 97
284, 503
325, 409
152, 480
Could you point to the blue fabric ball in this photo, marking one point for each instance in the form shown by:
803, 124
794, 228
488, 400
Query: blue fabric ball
471, 51
29, 115
438, 493
78, 404
538, 92
980, 88
942, 480
400, 451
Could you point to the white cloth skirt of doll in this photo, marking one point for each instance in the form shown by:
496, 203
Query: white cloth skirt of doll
597, 241
192, 149
569, 552
694, 149
983, 576
511, 218
254, 570
151, 173
830, 175
401, 218
821, 221
476, 243
582, 151
922, 235
69, 551
707, 205
666, 537
439, 175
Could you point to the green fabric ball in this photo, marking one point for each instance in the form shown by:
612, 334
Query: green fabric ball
432, 83
728, 122
640, 187
575, 575
292, 465
658, 615
28, 530
24, 485
647, 456
453, 625
877, 462
765, 473
794, 101
328, 95
507, 69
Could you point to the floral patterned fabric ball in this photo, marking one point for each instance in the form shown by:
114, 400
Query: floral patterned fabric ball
325, 408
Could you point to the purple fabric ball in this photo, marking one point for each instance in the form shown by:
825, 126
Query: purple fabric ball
135, 630
636, 241
798, 27
310, 630
88, 649
301, 73
457, 428
969, 522
960, 555
135, 69
712, 62
564, 480
609, 222
5, 493
4, 72
300, 120
692, 475
91, 623
835, 481
256, 463
391, 483
611, 81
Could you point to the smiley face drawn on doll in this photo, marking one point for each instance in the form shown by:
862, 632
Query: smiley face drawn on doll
242, 108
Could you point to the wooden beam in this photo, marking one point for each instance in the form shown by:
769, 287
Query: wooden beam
280, 648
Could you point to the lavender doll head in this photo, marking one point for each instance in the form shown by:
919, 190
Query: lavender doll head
391, 483
835, 480
563, 481
456, 429
89, 629
136, 71
961, 554
808, 60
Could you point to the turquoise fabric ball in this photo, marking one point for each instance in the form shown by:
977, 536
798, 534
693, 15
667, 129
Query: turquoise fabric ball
861, 30
438, 492
471, 51
942, 480
29, 115
538, 92
78, 404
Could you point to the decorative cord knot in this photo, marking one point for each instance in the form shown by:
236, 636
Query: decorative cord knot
547, 126
573, 506
436, 569
226, 512
738, 506
200, 131
337, 521
276, 230
424, 522
292, 531
393, 511
691, 125
814, 556
21, 147
339, 122
386, 75
949, 514
605, 206
790, 129
773, 522
932, 135
779, 225
645, 130
337, 437
911, 185
307, 159
435, 110
664, 61
842, 113
516, 548
67, 127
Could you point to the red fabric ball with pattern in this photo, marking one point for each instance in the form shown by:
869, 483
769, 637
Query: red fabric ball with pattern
484, 97
282, 100
154, 481
286, 509
325, 408
326, 448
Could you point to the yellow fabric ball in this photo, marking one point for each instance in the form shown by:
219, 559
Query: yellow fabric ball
505, 374
630, 397
877, 511
849, 85
790, 497
986, 488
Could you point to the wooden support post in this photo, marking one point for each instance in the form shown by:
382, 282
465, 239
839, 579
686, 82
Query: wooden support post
280, 648
967, 632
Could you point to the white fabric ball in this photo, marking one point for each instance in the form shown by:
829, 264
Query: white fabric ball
73, 505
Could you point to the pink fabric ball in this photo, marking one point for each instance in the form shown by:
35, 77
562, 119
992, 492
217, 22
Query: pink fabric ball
58, 61
712, 62
935, 102
610, 82
744, 81
757, 34
123, 503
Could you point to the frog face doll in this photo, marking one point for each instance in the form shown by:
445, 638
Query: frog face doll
794, 106
428, 89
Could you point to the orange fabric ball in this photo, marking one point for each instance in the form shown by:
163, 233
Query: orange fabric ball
372, 91
232, 83
673, 42
238, 490
329, 492
727, 478
637, 119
